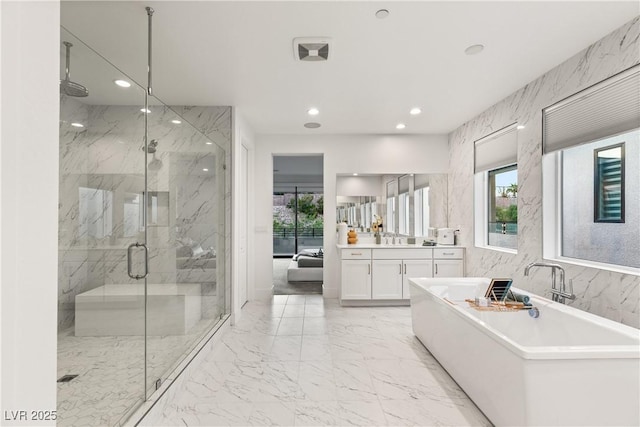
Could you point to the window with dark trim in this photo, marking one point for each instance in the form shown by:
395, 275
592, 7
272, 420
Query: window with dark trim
609, 184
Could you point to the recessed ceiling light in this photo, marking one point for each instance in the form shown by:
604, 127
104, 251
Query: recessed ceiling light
415, 111
176, 121
145, 110
122, 83
312, 125
520, 127
205, 170
209, 143
474, 49
77, 125
401, 126
382, 13
313, 111
355, 174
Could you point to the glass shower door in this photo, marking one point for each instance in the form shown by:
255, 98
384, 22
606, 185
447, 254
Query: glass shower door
186, 238
101, 327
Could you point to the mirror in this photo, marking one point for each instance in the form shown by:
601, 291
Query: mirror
409, 204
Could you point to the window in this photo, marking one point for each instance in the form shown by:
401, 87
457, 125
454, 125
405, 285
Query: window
391, 206
404, 183
502, 227
591, 176
496, 190
608, 184
421, 214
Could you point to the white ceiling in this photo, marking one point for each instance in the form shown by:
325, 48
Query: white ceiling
240, 53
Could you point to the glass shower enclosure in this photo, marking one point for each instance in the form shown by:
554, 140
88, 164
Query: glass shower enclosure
142, 240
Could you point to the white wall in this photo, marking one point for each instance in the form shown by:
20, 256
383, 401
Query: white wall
359, 186
365, 154
242, 136
30, 37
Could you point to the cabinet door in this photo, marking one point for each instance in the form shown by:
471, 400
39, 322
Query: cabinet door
414, 268
356, 279
387, 279
448, 268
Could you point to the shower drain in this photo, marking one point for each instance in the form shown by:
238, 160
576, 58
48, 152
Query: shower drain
66, 378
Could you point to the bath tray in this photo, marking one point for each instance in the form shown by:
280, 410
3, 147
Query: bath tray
499, 306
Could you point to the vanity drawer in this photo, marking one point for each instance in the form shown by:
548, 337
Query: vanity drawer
448, 253
356, 253
402, 253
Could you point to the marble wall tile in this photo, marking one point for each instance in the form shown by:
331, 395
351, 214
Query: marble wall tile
605, 293
106, 154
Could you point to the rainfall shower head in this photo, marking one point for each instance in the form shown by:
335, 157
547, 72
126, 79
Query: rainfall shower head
67, 86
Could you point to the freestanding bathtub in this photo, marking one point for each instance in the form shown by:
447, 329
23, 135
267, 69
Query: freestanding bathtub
566, 367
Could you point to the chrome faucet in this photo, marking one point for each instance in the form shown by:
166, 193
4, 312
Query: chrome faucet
558, 291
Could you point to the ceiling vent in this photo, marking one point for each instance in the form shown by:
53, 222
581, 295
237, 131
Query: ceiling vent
311, 48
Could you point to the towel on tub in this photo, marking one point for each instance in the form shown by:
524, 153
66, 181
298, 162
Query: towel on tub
525, 299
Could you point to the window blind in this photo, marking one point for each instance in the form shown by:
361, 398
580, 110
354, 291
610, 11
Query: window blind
420, 180
607, 108
497, 149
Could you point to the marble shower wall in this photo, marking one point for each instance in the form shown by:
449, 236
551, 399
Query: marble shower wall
612, 295
105, 159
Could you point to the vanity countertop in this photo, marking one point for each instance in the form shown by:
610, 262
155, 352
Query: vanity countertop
405, 246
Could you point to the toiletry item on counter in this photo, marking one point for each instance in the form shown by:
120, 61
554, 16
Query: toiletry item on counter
342, 233
446, 236
352, 237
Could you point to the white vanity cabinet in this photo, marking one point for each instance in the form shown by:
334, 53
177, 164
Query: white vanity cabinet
392, 269
355, 274
377, 275
448, 262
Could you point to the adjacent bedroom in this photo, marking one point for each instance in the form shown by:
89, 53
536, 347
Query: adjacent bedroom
298, 222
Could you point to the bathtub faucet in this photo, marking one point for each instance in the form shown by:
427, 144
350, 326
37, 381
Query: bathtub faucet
558, 291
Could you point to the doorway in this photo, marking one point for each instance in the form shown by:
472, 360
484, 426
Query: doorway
298, 224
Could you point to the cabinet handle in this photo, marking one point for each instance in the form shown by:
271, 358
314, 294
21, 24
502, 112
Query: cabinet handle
405, 269
369, 269
436, 269
400, 268
448, 253
356, 253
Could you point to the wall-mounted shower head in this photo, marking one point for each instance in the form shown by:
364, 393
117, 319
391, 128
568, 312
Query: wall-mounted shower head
152, 146
67, 86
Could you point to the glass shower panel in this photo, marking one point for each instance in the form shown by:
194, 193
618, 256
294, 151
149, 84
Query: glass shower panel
101, 185
186, 239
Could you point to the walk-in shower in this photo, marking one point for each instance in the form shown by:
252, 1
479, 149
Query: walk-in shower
143, 238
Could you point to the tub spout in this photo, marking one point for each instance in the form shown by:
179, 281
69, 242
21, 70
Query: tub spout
558, 290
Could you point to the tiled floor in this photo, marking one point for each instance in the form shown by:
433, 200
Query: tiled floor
110, 372
303, 360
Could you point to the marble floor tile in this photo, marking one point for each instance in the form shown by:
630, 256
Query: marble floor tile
295, 310
327, 366
315, 347
313, 310
361, 413
318, 413
353, 381
297, 299
290, 326
286, 347
316, 381
314, 299
314, 326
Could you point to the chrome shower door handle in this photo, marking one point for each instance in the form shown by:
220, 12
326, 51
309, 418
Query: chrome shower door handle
146, 261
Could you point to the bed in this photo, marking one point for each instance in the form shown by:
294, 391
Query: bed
306, 266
